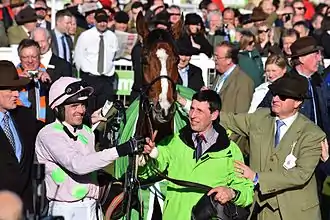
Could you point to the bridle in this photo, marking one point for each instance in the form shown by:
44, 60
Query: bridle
146, 104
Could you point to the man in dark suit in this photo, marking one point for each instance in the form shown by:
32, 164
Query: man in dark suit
190, 75
41, 10
55, 66
62, 44
18, 131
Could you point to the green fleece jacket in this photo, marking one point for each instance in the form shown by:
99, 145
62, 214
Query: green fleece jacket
214, 168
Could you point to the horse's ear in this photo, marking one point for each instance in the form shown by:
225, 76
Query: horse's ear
177, 29
142, 26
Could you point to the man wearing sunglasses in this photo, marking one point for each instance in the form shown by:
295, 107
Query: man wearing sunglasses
285, 148
66, 147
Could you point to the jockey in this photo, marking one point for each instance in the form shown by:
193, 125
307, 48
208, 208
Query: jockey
66, 147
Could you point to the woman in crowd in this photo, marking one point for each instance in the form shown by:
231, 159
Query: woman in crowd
275, 67
249, 58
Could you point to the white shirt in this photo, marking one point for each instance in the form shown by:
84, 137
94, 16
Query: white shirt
258, 95
45, 58
184, 75
42, 23
87, 51
287, 123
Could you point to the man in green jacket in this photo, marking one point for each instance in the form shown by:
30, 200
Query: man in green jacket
201, 152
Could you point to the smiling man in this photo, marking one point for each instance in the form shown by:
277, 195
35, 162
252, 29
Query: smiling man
66, 147
285, 148
201, 146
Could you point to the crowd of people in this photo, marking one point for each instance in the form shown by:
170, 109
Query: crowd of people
260, 130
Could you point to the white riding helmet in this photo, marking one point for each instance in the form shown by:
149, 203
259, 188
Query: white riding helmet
66, 88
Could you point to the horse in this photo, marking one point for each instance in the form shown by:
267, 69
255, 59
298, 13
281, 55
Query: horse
156, 107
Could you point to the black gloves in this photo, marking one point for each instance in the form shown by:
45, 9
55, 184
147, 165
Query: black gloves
135, 145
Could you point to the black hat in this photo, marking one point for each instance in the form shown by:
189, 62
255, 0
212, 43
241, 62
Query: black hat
26, 15
162, 17
121, 17
193, 18
303, 46
185, 48
101, 16
292, 86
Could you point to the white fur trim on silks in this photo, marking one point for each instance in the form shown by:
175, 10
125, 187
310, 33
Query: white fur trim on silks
164, 103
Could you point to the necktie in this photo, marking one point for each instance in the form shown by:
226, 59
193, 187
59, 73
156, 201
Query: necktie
279, 124
38, 24
199, 148
64, 48
100, 61
313, 107
8, 131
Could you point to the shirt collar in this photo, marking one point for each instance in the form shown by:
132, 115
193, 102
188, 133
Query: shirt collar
229, 71
185, 69
45, 58
289, 120
207, 135
58, 34
2, 115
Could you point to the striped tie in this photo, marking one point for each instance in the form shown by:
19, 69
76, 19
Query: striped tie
8, 131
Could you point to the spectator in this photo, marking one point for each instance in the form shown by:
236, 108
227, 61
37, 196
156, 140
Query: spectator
26, 20
135, 9
302, 28
289, 36
299, 7
229, 18
19, 129
202, 137
175, 14
88, 11
287, 16
284, 144
11, 206
34, 95
95, 61
249, 59
324, 37
231, 80
41, 10
212, 7
121, 21
317, 22
62, 44
275, 67
194, 31
267, 6
55, 66
216, 34
190, 75
321, 8
264, 40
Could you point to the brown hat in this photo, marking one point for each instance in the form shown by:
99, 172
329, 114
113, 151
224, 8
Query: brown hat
16, 3
258, 15
303, 46
101, 16
26, 15
9, 77
291, 86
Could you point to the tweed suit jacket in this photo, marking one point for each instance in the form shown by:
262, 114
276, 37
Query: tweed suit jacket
293, 191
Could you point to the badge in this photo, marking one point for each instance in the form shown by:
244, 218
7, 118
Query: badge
290, 160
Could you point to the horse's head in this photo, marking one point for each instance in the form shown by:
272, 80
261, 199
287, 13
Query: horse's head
159, 69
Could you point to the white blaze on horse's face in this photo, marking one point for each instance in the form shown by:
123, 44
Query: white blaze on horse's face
163, 101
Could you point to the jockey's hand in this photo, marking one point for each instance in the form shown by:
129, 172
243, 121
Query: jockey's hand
96, 116
222, 194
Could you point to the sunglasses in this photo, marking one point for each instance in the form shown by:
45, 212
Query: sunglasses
300, 8
263, 31
283, 97
175, 14
251, 43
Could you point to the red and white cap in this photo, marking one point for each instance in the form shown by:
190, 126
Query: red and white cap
68, 90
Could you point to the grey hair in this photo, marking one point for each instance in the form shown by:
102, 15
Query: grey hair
40, 29
209, 15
